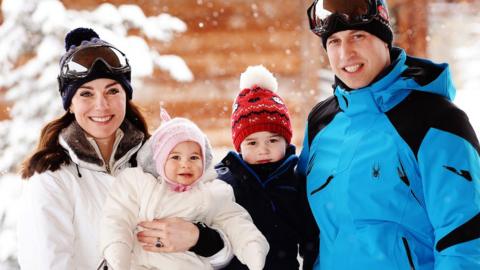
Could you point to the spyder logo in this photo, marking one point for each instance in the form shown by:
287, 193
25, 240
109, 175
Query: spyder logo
376, 170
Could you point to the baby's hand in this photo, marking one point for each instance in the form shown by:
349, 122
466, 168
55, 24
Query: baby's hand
254, 256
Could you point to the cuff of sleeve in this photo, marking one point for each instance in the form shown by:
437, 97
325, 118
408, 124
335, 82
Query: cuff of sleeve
209, 241
118, 256
253, 255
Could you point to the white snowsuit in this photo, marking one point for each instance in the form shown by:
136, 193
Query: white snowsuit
137, 196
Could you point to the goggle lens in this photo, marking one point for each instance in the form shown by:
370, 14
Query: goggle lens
351, 12
81, 61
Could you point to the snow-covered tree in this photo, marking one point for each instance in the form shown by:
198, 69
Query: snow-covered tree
31, 44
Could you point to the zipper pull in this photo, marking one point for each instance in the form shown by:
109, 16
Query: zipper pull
103, 265
108, 169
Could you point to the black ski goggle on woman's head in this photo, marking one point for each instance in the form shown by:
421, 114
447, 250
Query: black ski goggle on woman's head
322, 13
79, 64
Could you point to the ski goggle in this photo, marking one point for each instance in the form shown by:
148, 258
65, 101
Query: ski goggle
351, 12
79, 63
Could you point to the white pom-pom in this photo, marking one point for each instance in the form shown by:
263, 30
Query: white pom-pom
260, 76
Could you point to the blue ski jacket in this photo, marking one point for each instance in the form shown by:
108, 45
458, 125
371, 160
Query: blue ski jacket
393, 173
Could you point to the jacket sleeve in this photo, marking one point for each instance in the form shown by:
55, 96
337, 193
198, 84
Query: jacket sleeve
449, 167
119, 219
303, 158
248, 243
45, 227
210, 241
309, 232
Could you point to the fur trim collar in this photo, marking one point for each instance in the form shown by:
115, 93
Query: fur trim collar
79, 144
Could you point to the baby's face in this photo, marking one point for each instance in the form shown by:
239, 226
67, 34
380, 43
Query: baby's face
184, 164
263, 147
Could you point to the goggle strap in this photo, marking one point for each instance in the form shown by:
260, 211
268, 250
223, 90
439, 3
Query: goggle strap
311, 15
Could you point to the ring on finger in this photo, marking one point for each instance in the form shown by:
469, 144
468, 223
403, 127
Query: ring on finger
159, 243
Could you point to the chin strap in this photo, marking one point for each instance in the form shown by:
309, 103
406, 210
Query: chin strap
177, 187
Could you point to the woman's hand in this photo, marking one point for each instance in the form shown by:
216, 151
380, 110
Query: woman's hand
175, 234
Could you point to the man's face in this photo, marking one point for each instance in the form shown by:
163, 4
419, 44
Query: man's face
357, 57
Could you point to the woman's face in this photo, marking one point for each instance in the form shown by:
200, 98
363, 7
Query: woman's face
99, 107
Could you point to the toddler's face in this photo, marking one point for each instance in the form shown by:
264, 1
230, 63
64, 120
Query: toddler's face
184, 163
263, 147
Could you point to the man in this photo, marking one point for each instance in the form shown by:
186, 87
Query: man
392, 166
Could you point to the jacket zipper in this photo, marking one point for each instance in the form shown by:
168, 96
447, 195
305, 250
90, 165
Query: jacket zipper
107, 167
409, 253
329, 179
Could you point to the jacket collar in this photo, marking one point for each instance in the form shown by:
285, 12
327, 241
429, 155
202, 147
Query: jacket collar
84, 151
392, 86
235, 162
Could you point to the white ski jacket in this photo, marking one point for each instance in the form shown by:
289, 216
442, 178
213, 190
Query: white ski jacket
60, 211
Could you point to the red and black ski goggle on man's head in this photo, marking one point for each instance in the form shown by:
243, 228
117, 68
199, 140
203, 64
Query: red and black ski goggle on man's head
327, 17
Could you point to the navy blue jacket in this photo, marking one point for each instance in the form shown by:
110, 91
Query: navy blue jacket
393, 173
278, 207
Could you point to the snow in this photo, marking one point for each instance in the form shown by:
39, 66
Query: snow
137, 50
170, 63
456, 40
467, 100
42, 16
10, 186
152, 30
132, 15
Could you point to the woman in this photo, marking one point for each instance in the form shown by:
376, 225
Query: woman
77, 159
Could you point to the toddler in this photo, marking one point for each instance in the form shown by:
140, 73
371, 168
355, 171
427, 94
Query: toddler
262, 173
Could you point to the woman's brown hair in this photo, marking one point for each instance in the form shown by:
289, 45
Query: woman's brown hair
50, 155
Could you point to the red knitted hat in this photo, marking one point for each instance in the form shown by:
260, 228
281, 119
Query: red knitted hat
258, 108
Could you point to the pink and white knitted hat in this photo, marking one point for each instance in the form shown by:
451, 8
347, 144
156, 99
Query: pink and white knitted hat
168, 135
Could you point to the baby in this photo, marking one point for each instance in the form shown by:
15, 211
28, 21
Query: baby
175, 179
